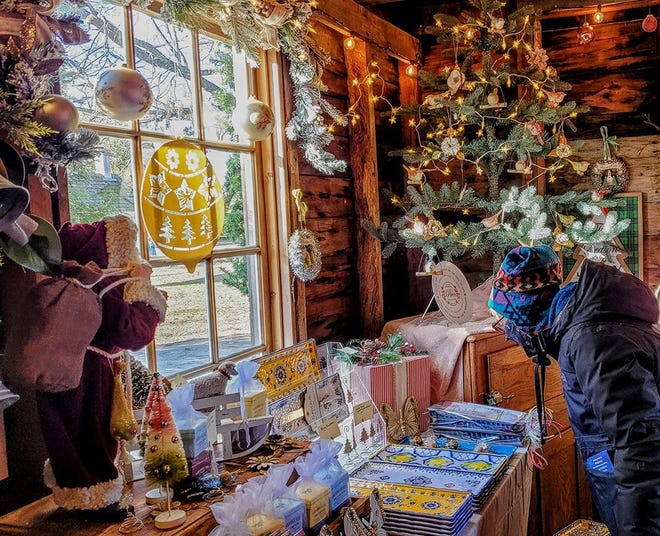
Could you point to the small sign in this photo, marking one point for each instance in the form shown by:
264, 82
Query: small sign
329, 429
363, 412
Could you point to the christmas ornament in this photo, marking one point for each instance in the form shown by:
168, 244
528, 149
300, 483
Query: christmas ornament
650, 23
255, 119
123, 94
585, 34
164, 457
182, 202
273, 13
455, 80
609, 174
450, 146
415, 176
122, 421
304, 249
452, 292
58, 114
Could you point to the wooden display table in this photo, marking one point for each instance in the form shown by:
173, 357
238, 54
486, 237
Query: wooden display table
505, 512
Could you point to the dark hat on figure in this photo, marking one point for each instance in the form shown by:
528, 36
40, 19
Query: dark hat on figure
526, 284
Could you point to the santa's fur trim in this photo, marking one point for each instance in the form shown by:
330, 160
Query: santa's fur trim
143, 291
120, 242
93, 497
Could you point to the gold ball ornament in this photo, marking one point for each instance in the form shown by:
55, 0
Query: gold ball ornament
254, 118
123, 94
57, 113
585, 34
182, 202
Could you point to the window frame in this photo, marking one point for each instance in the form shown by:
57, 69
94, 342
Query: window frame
269, 182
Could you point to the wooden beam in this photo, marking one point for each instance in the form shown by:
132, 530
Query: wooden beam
558, 9
348, 18
363, 159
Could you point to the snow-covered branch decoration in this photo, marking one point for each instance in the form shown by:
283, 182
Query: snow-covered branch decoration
255, 25
520, 216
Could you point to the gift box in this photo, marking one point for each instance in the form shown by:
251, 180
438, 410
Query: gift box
293, 513
256, 404
317, 503
261, 524
200, 464
197, 438
336, 479
392, 383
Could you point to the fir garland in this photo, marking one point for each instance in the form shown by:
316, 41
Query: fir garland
519, 216
376, 352
25, 78
255, 25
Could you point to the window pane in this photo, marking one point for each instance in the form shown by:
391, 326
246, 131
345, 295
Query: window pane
103, 186
163, 55
238, 304
85, 62
234, 170
218, 88
182, 341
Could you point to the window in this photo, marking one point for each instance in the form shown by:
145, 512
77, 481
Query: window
225, 308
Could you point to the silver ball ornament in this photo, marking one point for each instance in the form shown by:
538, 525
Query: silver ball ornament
57, 113
254, 118
123, 94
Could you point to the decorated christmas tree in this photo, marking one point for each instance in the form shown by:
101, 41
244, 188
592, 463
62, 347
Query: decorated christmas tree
499, 109
164, 457
497, 105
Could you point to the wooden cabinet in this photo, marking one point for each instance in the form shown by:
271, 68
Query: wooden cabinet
559, 492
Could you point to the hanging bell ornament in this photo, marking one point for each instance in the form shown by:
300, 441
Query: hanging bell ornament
255, 119
57, 113
123, 94
650, 23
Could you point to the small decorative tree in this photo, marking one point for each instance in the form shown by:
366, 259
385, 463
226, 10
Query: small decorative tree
164, 457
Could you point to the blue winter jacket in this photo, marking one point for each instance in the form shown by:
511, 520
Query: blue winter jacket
608, 349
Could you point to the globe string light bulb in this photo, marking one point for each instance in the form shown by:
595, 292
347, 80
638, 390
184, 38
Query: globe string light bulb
598, 16
349, 42
411, 70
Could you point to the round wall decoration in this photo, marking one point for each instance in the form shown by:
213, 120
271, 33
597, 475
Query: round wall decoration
182, 202
452, 292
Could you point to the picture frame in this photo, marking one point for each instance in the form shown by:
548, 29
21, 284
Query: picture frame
626, 251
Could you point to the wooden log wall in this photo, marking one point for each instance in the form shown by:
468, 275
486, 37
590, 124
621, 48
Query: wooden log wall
347, 299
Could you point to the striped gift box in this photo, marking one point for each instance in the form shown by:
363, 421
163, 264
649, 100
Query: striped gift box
392, 383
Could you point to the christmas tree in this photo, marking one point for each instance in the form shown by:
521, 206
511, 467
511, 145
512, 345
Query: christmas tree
499, 108
498, 105
164, 457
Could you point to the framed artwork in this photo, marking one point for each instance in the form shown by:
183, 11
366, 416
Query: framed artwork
626, 251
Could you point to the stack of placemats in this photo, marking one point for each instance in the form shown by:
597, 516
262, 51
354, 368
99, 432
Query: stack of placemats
477, 422
418, 511
443, 469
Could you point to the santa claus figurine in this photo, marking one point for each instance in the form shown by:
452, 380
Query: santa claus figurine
81, 469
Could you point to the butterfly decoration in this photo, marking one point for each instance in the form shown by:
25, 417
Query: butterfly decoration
404, 424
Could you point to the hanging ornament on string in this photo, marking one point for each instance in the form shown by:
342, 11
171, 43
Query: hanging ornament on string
585, 34
123, 94
304, 249
182, 202
609, 174
254, 118
57, 113
650, 23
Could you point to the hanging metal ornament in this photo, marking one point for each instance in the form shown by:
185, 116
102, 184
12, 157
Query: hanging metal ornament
609, 174
254, 118
304, 249
123, 94
585, 34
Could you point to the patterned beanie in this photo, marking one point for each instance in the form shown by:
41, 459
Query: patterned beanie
526, 284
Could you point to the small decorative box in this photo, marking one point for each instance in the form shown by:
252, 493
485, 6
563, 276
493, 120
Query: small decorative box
584, 527
200, 464
260, 524
256, 404
317, 501
336, 479
194, 439
292, 511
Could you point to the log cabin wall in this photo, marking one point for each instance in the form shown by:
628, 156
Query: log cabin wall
347, 298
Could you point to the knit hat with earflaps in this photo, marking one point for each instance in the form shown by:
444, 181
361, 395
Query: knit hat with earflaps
526, 284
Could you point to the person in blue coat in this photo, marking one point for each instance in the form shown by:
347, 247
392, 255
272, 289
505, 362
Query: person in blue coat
602, 330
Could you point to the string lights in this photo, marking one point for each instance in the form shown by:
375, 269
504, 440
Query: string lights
598, 16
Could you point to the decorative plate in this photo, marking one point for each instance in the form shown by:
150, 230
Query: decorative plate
452, 293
